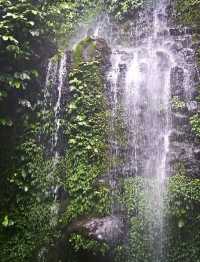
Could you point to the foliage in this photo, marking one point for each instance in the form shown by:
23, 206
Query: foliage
121, 8
27, 30
195, 123
30, 32
24, 215
184, 220
64, 17
86, 133
81, 243
177, 103
181, 216
85, 127
188, 12
18, 47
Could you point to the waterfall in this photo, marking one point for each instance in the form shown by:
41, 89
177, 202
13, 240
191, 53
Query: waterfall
140, 80
53, 94
52, 113
62, 74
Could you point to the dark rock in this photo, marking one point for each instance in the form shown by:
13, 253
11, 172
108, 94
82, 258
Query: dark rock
108, 229
179, 119
177, 136
105, 52
189, 55
122, 67
176, 47
192, 106
175, 32
177, 79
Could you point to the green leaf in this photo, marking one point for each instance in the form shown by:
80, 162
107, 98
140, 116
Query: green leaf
5, 122
3, 93
5, 222
5, 37
13, 48
72, 141
31, 23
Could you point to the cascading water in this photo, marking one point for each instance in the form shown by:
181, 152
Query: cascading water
140, 81
56, 76
62, 74
53, 97
54, 88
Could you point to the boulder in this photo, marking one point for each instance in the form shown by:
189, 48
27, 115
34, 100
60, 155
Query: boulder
108, 229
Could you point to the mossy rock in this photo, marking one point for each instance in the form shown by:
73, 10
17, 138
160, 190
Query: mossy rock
89, 50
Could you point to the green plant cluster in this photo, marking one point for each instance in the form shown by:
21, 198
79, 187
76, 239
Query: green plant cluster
85, 44
121, 8
187, 12
86, 132
181, 219
63, 17
184, 221
195, 123
26, 205
176, 103
27, 30
80, 242
21, 30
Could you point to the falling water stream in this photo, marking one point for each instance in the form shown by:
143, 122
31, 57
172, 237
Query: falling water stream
140, 80
53, 94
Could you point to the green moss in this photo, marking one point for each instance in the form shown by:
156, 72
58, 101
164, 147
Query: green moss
88, 45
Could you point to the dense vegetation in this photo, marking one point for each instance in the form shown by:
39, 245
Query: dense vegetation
30, 33
181, 216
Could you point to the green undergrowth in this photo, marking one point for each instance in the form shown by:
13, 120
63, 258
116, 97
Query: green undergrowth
195, 123
177, 103
27, 218
188, 12
80, 242
181, 209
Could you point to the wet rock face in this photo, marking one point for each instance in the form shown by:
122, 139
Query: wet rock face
107, 229
177, 78
104, 51
184, 144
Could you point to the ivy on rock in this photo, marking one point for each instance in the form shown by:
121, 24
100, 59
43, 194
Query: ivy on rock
86, 132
